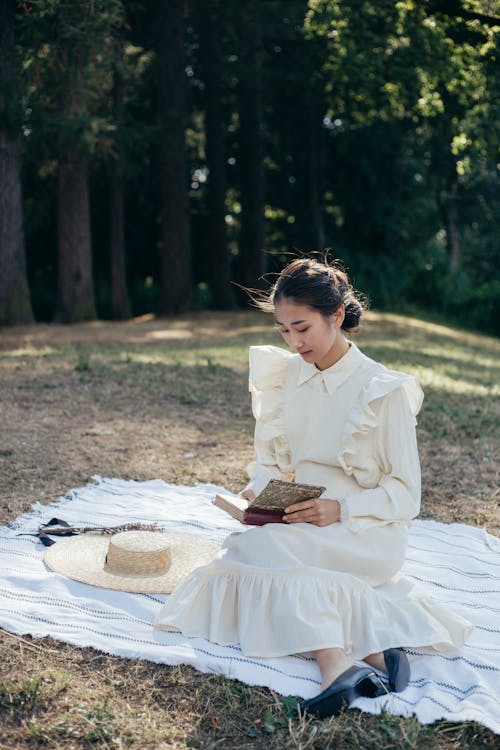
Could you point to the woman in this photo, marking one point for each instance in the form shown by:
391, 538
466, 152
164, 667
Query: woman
328, 580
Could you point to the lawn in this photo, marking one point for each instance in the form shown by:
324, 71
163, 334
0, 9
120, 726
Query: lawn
168, 399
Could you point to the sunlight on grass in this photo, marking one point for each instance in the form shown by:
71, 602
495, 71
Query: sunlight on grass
30, 351
462, 356
429, 328
167, 335
447, 383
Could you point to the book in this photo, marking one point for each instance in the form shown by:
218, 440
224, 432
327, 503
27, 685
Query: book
269, 504
232, 504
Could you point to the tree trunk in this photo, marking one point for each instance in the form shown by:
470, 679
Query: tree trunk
175, 279
251, 151
451, 221
15, 305
316, 172
119, 296
209, 13
76, 287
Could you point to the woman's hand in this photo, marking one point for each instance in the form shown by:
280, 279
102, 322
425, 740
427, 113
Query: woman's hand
248, 495
319, 511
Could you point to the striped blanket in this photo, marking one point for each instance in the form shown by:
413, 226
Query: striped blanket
458, 563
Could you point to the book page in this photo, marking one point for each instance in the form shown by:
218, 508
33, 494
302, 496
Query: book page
235, 505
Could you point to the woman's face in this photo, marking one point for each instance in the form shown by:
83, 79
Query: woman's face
317, 338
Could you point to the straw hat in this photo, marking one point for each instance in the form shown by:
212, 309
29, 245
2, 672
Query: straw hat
138, 561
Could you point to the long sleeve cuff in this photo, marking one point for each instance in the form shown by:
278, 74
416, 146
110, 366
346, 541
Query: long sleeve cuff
344, 509
390, 501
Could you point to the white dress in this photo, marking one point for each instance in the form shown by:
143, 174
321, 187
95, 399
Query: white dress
282, 589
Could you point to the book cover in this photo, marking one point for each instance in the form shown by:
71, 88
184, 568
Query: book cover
269, 504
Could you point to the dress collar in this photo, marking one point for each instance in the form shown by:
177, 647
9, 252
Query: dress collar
336, 375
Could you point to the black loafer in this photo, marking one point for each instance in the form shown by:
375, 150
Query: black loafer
355, 682
398, 669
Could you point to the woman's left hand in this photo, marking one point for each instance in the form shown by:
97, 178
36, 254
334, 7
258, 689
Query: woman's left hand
319, 511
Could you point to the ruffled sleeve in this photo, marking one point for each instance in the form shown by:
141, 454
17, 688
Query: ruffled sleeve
379, 449
268, 370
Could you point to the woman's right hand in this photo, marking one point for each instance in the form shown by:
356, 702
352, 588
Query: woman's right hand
248, 495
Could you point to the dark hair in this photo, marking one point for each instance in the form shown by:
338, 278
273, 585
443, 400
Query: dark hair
320, 286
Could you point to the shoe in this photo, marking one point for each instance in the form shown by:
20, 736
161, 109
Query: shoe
398, 669
355, 682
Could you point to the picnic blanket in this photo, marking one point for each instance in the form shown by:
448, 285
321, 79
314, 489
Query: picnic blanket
457, 563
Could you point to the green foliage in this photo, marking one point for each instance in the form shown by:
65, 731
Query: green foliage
412, 111
145, 296
83, 363
456, 296
69, 53
10, 65
101, 725
19, 310
401, 100
479, 308
20, 698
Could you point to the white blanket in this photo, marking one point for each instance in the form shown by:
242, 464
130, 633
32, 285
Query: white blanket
458, 563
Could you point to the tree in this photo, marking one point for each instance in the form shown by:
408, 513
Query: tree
394, 67
119, 296
15, 305
209, 18
251, 146
175, 251
465, 111
316, 152
369, 127
69, 47
72, 55
75, 283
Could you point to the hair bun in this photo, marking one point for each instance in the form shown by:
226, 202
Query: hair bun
353, 312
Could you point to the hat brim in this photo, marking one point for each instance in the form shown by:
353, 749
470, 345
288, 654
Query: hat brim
83, 558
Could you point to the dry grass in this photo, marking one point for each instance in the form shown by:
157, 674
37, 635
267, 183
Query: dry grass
167, 399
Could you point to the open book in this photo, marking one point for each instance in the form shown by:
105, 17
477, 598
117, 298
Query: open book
269, 504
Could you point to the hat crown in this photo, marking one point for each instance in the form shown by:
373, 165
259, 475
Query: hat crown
138, 553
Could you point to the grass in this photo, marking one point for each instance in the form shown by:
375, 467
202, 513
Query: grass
168, 399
